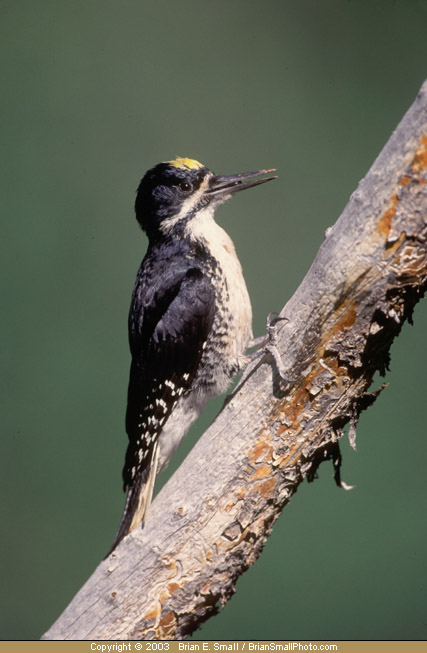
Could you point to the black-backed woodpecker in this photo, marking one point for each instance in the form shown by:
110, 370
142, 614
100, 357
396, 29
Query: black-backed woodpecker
190, 319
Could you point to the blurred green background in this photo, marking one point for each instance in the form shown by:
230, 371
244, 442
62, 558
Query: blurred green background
94, 93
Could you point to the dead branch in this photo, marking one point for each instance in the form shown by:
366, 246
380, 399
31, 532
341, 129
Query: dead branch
210, 522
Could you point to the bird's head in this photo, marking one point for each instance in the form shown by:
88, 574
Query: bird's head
173, 192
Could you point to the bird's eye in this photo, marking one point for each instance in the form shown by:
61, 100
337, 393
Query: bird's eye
185, 186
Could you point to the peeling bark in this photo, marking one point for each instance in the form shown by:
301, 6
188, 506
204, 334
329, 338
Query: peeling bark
211, 520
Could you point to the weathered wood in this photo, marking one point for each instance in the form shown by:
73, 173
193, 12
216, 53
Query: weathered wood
210, 521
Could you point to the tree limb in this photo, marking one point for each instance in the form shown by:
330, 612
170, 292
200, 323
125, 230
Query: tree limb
211, 520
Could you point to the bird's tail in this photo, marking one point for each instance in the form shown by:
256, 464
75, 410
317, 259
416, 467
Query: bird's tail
138, 500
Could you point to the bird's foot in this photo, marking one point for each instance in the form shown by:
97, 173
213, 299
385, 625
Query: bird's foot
271, 347
268, 345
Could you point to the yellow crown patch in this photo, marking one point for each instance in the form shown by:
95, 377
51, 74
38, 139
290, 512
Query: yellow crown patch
188, 164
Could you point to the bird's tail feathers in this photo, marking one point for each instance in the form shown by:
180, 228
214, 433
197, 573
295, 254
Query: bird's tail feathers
138, 500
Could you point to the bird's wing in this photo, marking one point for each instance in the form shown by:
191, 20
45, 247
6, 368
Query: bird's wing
167, 336
167, 347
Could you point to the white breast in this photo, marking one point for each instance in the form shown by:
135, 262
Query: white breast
204, 229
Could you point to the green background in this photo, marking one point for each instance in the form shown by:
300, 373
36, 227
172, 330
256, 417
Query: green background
94, 93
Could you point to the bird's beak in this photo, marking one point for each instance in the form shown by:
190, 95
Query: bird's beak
223, 186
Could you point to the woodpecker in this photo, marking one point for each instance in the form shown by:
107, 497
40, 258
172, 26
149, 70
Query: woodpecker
190, 320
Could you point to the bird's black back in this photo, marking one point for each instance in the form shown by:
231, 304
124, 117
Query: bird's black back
171, 314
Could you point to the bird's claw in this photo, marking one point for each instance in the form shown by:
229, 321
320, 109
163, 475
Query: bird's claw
271, 347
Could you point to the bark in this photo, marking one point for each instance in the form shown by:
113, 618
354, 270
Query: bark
211, 520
